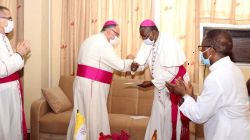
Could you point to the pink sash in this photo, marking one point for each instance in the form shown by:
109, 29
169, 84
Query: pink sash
10, 78
94, 74
175, 99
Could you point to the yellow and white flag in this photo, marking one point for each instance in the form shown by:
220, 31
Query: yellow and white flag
154, 137
80, 127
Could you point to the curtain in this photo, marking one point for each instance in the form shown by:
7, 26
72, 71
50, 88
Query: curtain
179, 18
84, 18
226, 12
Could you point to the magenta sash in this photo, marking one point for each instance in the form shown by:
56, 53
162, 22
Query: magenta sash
175, 99
10, 78
94, 74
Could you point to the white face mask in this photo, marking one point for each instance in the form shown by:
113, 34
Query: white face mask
148, 42
115, 41
9, 27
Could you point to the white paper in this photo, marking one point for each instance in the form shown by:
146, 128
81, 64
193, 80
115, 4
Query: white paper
132, 83
138, 117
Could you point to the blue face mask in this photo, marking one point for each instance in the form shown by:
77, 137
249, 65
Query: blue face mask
204, 60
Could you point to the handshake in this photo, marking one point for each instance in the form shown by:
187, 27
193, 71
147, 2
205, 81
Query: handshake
134, 66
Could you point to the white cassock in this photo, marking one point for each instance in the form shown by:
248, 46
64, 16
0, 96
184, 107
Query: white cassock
223, 105
163, 59
90, 95
10, 98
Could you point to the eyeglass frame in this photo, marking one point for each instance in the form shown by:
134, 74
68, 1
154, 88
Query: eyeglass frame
204, 46
117, 34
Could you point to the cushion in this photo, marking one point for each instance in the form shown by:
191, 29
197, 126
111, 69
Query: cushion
119, 122
66, 83
124, 97
145, 101
136, 127
56, 99
55, 123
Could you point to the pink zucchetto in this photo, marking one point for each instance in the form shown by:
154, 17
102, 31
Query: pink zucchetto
109, 22
147, 23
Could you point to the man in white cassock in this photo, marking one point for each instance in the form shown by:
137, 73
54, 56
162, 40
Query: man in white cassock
223, 105
96, 62
165, 59
12, 119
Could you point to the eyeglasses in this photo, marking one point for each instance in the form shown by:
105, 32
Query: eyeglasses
117, 34
8, 18
204, 46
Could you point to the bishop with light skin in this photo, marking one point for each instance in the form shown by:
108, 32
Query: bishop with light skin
12, 118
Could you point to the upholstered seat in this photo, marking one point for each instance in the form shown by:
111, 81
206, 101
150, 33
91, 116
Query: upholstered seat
129, 109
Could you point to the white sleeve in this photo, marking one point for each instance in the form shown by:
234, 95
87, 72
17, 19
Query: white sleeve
207, 103
163, 75
110, 58
10, 65
143, 55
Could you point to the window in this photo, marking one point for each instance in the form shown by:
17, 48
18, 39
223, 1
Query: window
241, 41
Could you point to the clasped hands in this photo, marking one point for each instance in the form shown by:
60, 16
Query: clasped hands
180, 87
23, 48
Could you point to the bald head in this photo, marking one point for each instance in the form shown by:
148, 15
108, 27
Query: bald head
220, 40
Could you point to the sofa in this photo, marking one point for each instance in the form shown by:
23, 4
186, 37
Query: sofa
129, 109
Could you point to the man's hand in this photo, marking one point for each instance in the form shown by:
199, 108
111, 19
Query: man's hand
134, 66
146, 84
23, 48
180, 87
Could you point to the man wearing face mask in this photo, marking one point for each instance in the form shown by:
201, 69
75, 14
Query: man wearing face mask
165, 59
12, 119
223, 105
96, 62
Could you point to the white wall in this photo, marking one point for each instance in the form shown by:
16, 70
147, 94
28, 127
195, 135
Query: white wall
37, 72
